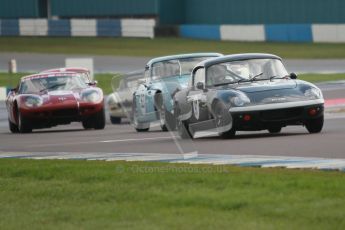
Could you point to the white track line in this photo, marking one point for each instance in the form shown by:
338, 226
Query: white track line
141, 139
94, 142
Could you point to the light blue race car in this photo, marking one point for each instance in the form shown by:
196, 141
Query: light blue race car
163, 78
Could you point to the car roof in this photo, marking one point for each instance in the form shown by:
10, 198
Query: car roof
48, 74
66, 69
236, 57
181, 56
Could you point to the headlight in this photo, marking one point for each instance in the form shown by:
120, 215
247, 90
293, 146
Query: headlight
33, 101
313, 93
91, 96
240, 100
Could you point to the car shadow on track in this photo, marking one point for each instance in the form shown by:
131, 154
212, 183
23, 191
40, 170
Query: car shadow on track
243, 136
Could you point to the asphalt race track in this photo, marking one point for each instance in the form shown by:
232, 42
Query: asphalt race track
293, 141
33, 62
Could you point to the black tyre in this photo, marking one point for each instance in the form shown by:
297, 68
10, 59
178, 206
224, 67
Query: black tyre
99, 120
23, 124
275, 129
315, 125
13, 127
87, 124
139, 126
167, 120
162, 120
115, 120
223, 120
228, 134
182, 129
96, 121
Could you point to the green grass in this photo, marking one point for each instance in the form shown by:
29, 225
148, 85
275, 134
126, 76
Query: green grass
165, 46
58, 194
321, 77
105, 80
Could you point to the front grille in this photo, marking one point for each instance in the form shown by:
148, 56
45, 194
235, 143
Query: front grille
65, 113
281, 114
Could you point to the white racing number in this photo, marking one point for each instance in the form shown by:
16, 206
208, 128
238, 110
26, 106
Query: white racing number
142, 103
196, 100
196, 110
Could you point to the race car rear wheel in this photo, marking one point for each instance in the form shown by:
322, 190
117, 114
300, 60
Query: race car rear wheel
166, 120
182, 129
275, 129
115, 120
13, 127
141, 127
23, 124
315, 125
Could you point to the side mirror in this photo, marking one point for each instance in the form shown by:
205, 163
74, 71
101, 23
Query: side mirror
200, 85
293, 76
141, 81
93, 83
13, 91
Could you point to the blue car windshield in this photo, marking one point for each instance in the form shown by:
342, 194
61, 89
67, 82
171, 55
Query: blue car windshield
244, 70
175, 67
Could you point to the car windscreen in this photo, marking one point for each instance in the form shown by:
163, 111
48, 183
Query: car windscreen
175, 67
51, 83
251, 69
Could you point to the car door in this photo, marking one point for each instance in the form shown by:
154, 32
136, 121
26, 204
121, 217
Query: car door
197, 95
10, 104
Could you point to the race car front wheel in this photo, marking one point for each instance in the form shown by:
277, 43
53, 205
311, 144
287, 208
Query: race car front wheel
13, 127
275, 129
315, 125
139, 126
182, 129
23, 124
99, 122
96, 121
223, 120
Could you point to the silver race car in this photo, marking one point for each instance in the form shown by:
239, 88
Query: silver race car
246, 92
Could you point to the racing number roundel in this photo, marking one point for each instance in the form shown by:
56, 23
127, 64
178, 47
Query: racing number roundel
196, 110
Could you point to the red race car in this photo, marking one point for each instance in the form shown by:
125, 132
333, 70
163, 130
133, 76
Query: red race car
53, 98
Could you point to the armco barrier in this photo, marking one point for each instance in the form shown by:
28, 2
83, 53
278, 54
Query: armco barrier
108, 28
242, 32
83, 27
138, 27
33, 27
9, 27
59, 28
78, 27
328, 32
289, 33
146, 28
3, 93
200, 31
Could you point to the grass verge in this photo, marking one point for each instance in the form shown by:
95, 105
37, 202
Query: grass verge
165, 46
60, 194
104, 80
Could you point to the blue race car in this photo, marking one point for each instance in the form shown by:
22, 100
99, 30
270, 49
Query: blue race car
163, 77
